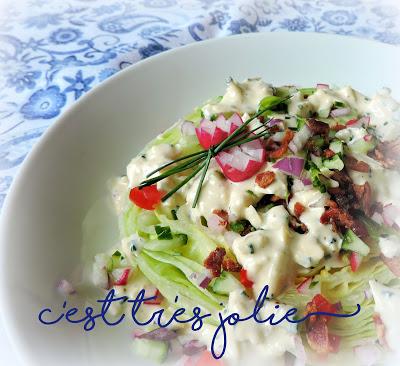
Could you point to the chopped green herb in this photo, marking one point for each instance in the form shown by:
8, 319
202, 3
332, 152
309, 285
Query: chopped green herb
203, 221
313, 284
133, 247
338, 104
173, 214
143, 156
163, 232
251, 192
183, 237
213, 117
117, 253
237, 226
251, 248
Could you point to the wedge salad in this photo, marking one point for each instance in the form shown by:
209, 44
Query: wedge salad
294, 188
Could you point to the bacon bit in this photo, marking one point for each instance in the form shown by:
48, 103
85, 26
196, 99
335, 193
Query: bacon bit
318, 127
319, 303
393, 264
331, 204
338, 127
214, 261
388, 154
277, 152
364, 195
357, 165
328, 153
342, 218
298, 209
231, 265
380, 329
264, 179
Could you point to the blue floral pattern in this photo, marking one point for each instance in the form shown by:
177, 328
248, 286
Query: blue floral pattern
51, 53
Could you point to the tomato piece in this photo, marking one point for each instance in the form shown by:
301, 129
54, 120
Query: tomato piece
244, 279
147, 197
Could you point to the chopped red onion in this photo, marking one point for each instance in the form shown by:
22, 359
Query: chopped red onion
201, 279
65, 288
188, 129
391, 215
275, 122
193, 347
364, 121
160, 334
290, 165
306, 181
322, 86
340, 112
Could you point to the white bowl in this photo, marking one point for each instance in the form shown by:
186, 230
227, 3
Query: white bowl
95, 139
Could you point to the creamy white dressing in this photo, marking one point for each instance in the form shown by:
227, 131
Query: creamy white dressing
387, 305
390, 246
240, 97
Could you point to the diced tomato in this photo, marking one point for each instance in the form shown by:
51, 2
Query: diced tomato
298, 209
320, 304
355, 261
244, 279
122, 280
156, 301
147, 197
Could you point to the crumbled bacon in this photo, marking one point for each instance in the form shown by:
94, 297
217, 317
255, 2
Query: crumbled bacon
328, 153
214, 261
231, 265
343, 219
298, 209
318, 127
264, 179
275, 151
345, 197
364, 195
338, 127
357, 165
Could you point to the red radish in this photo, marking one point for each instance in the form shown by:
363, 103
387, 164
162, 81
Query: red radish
147, 197
352, 122
368, 138
318, 337
292, 165
242, 162
304, 286
212, 133
355, 261
245, 280
322, 86
156, 301
121, 276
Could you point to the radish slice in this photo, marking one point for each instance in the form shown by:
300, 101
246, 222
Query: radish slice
300, 139
212, 133
290, 165
340, 112
242, 162
322, 86
304, 286
121, 276
153, 292
355, 261
188, 129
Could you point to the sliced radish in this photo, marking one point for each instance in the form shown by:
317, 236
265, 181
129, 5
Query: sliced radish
211, 133
304, 286
322, 86
242, 162
355, 261
291, 165
153, 293
368, 138
120, 276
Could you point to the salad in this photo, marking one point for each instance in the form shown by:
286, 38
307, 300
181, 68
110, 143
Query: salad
294, 188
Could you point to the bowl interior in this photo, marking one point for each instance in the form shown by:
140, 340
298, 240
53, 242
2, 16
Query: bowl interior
41, 235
